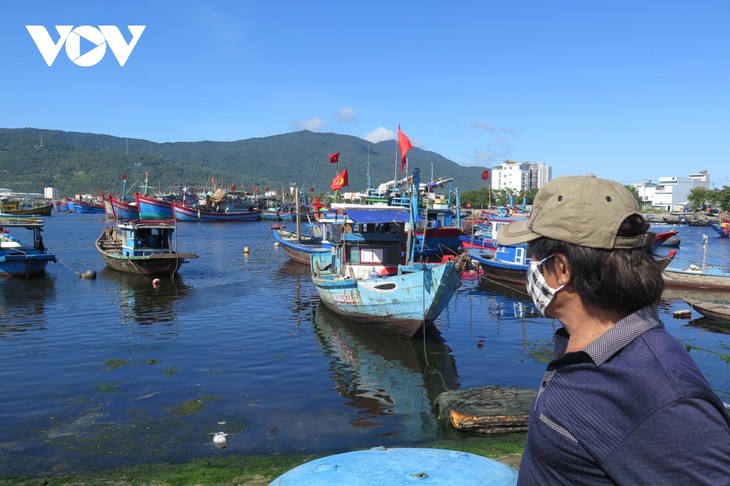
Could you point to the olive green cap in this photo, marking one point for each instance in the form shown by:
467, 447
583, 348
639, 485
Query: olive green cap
581, 210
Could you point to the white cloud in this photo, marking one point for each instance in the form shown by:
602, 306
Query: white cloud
346, 115
315, 123
380, 134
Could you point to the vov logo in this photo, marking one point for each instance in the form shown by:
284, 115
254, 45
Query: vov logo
70, 36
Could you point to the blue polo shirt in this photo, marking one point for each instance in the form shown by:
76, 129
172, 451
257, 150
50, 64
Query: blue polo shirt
630, 408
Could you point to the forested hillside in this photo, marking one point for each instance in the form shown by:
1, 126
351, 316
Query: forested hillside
31, 159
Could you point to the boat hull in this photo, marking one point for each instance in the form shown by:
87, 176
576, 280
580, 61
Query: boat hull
151, 208
299, 250
84, 207
404, 303
185, 213
122, 210
689, 279
722, 229
151, 266
24, 264
44, 210
711, 310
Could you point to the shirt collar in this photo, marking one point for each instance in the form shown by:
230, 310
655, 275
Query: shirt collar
616, 338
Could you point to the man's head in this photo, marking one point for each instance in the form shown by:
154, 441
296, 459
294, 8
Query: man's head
581, 210
595, 226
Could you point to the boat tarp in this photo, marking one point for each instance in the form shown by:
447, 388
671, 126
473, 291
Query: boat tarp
218, 196
379, 215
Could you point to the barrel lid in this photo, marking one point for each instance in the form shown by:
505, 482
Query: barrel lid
384, 466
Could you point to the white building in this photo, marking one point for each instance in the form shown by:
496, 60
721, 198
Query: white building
50, 193
520, 176
671, 193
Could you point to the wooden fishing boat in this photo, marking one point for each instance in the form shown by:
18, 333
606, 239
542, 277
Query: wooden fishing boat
711, 310
365, 277
143, 247
700, 277
299, 247
33, 209
18, 259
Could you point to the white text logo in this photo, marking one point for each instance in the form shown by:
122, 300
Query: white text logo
71, 38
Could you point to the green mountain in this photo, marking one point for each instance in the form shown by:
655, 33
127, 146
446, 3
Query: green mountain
31, 159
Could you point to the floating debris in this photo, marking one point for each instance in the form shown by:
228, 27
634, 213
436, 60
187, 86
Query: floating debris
219, 439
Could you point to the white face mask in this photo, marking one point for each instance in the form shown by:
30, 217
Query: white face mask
542, 294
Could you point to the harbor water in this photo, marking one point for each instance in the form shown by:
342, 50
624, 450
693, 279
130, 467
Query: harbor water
112, 371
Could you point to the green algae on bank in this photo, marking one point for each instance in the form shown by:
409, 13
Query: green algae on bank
251, 470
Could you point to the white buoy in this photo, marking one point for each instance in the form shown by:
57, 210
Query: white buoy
219, 439
156, 283
276, 244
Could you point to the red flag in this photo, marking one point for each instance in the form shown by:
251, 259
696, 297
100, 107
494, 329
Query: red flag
334, 158
404, 145
340, 181
485, 175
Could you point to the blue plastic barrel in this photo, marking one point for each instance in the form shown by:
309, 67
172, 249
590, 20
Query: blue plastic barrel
400, 466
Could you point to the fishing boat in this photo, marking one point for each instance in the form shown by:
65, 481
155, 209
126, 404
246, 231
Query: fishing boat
299, 247
704, 277
143, 247
18, 259
124, 210
195, 213
722, 229
711, 310
370, 274
79, 206
507, 263
152, 208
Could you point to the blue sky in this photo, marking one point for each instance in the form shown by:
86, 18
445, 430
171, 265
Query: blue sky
628, 90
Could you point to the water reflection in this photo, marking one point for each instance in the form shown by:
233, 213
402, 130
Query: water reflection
149, 310
720, 327
23, 303
380, 373
508, 299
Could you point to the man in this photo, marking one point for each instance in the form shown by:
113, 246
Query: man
622, 402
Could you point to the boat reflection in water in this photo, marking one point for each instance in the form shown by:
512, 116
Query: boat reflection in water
510, 300
151, 311
23, 303
381, 373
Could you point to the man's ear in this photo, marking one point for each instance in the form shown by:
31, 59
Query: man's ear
563, 270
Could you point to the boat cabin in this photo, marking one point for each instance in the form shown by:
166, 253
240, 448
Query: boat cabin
144, 239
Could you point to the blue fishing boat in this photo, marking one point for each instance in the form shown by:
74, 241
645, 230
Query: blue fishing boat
196, 213
123, 210
79, 206
18, 259
504, 264
370, 274
151, 208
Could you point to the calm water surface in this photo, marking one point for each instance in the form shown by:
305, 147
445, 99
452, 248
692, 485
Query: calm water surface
106, 372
